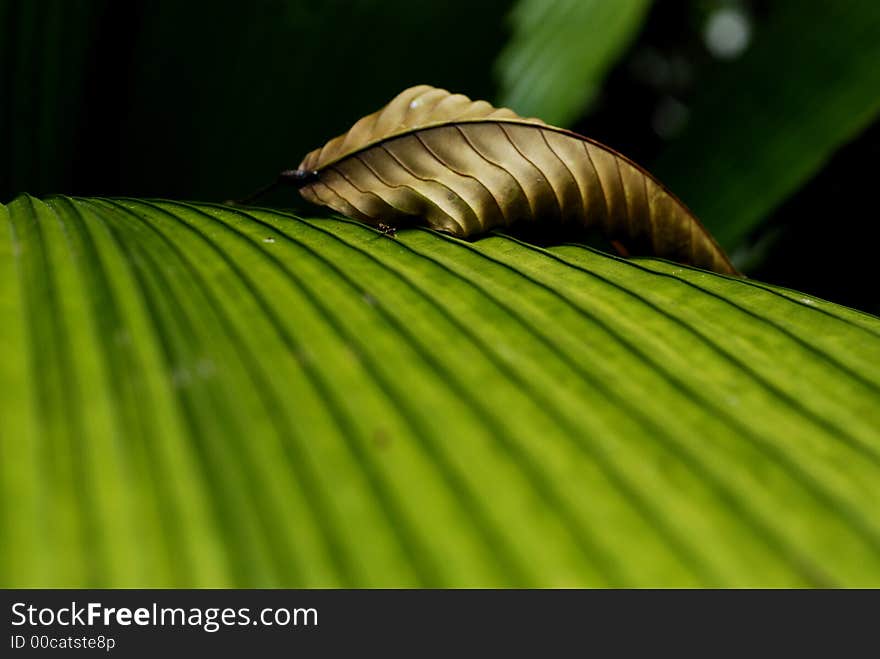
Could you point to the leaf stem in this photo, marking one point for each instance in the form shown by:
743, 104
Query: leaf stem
296, 178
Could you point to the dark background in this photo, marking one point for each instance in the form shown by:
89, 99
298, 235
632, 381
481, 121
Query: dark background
207, 101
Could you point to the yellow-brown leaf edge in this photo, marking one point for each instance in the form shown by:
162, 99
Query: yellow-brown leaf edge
465, 167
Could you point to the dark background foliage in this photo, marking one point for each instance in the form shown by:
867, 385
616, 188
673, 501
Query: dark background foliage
207, 101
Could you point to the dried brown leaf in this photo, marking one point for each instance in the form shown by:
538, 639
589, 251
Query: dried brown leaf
465, 167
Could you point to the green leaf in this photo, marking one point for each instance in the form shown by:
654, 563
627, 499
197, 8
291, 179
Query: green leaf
559, 53
763, 125
196, 395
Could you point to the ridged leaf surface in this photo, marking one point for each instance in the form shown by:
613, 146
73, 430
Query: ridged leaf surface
193, 395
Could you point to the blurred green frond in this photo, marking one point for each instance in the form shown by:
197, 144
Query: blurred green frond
763, 125
560, 51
